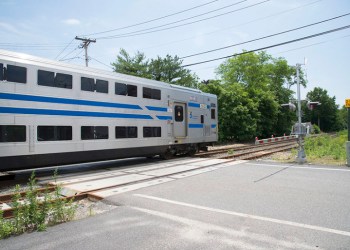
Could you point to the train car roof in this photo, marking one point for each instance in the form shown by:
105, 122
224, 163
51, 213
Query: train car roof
47, 63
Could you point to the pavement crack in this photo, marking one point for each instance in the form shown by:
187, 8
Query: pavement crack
271, 174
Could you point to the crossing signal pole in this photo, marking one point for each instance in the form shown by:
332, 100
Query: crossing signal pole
85, 44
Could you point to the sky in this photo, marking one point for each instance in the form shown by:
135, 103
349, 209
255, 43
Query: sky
47, 29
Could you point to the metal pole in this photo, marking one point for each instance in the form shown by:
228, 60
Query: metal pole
301, 158
348, 124
86, 56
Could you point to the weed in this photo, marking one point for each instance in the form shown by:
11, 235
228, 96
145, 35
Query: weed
35, 211
326, 149
230, 151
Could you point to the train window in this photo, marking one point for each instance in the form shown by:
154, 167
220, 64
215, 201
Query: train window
147, 93
16, 74
12, 133
63, 81
202, 119
120, 132
46, 78
156, 94
213, 114
132, 90
54, 133
179, 113
94, 132
101, 86
152, 132
125, 132
87, 84
120, 88
1, 72
132, 132
151, 93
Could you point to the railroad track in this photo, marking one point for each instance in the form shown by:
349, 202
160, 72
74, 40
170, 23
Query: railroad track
248, 152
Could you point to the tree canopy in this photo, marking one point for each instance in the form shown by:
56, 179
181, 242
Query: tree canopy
266, 82
168, 69
327, 115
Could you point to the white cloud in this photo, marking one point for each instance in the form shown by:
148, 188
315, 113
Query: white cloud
10, 28
71, 21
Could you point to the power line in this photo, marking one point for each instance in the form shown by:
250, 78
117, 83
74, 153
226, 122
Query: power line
180, 25
310, 45
152, 20
268, 36
64, 49
230, 27
109, 66
272, 46
184, 19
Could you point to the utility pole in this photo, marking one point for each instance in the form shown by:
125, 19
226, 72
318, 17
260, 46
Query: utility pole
347, 105
301, 158
85, 44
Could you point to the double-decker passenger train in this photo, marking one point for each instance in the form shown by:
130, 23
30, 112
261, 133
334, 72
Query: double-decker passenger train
56, 113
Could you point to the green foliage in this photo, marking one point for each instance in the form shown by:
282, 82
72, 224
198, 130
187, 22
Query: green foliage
316, 129
326, 115
136, 66
6, 227
35, 211
253, 86
325, 148
168, 69
236, 111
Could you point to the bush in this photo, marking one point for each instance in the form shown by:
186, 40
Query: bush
316, 129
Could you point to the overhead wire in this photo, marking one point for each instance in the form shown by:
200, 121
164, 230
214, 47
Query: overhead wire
109, 66
272, 46
268, 36
290, 50
131, 34
187, 18
152, 20
234, 26
64, 48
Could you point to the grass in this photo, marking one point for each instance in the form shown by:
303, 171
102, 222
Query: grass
325, 149
36, 211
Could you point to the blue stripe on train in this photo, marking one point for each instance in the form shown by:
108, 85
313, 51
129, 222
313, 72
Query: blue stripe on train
194, 125
10, 110
32, 98
164, 117
157, 108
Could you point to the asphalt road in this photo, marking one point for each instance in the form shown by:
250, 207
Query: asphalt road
252, 205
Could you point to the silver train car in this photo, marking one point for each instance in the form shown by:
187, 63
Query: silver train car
56, 113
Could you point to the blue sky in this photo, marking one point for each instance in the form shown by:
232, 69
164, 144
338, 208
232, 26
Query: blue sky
45, 28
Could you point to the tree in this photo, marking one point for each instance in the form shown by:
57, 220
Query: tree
168, 69
136, 65
325, 116
267, 81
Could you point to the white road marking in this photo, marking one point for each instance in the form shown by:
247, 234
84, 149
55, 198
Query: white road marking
197, 231
249, 216
307, 168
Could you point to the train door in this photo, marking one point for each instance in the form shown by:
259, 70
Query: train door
180, 120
